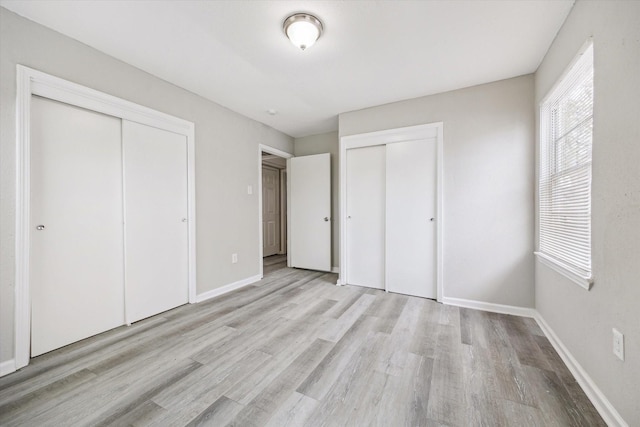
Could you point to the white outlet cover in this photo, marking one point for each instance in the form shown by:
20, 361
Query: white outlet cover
618, 344
250, 189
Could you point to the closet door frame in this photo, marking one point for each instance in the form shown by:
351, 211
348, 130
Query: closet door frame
32, 82
390, 136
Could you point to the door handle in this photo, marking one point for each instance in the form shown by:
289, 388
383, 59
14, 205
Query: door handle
40, 227
184, 219
326, 218
432, 219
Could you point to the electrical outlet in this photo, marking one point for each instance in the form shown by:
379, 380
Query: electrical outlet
234, 258
618, 344
249, 189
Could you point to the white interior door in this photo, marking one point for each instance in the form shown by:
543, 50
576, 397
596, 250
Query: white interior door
410, 218
366, 216
76, 201
310, 192
270, 211
156, 214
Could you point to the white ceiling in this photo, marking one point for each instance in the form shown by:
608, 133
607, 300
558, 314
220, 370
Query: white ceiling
372, 52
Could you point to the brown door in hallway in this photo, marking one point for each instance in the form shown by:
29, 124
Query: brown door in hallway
270, 211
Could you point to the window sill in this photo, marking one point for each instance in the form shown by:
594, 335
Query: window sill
568, 272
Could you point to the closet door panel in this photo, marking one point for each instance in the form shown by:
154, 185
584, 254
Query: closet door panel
410, 217
76, 272
366, 216
156, 229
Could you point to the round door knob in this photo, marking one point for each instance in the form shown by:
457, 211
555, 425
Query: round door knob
184, 219
40, 227
326, 218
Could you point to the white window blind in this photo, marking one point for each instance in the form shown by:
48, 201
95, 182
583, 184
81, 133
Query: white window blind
566, 118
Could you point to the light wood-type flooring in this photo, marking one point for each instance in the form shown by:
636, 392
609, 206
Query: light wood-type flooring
296, 350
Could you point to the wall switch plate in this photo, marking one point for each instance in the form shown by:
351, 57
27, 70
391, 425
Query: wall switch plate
618, 344
250, 189
234, 258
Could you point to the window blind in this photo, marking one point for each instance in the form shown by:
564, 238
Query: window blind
566, 118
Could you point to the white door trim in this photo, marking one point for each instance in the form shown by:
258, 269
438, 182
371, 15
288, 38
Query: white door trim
388, 136
283, 211
32, 82
285, 155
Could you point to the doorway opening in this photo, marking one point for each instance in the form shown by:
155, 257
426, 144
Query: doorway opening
274, 211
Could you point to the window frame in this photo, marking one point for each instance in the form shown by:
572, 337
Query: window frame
548, 143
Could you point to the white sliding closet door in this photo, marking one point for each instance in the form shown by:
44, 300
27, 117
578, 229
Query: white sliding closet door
410, 218
156, 229
76, 224
366, 216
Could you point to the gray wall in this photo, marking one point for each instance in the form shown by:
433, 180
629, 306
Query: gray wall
488, 183
318, 144
226, 153
583, 319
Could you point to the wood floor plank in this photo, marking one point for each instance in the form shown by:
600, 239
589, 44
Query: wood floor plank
294, 349
144, 414
447, 402
220, 412
349, 296
425, 339
521, 415
339, 401
336, 330
322, 378
404, 399
210, 383
388, 308
33, 403
53, 366
581, 406
392, 359
290, 348
527, 349
556, 406
266, 403
293, 412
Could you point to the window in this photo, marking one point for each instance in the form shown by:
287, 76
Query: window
564, 187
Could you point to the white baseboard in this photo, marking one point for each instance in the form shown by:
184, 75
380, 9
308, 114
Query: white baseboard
595, 395
487, 306
7, 367
227, 288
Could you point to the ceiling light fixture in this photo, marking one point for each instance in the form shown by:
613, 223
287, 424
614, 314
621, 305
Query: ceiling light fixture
302, 29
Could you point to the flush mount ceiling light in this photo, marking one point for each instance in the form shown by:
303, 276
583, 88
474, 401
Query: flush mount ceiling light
302, 29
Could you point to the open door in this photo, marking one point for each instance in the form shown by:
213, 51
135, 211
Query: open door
310, 218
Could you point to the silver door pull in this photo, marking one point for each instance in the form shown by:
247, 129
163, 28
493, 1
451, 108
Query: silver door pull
431, 219
326, 218
40, 227
184, 219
